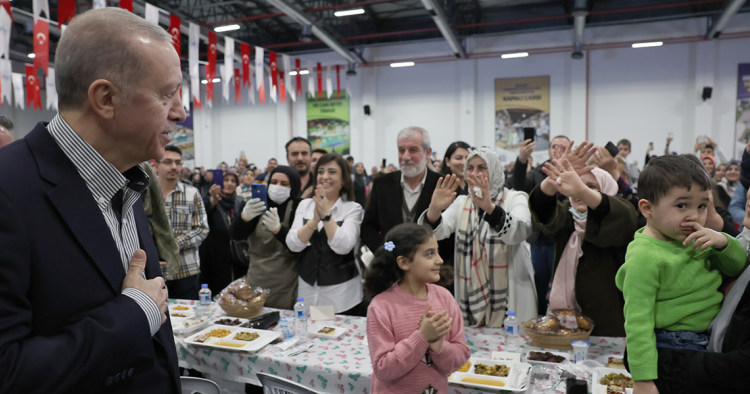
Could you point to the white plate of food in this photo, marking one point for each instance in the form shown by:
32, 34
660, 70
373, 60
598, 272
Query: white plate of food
611, 361
187, 326
327, 331
493, 374
551, 359
181, 311
229, 321
611, 381
233, 338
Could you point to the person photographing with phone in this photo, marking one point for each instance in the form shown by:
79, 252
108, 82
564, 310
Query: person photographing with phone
326, 231
265, 225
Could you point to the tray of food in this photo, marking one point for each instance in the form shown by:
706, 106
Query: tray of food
181, 311
229, 321
491, 374
327, 331
611, 381
547, 358
189, 325
232, 338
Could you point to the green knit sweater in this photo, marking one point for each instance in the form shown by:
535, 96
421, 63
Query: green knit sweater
671, 287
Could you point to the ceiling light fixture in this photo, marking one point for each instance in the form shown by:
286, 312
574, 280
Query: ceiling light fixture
648, 44
304, 72
32, 55
402, 64
204, 82
226, 28
356, 11
217, 80
514, 55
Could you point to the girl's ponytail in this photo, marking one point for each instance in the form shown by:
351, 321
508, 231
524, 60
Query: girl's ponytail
403, 240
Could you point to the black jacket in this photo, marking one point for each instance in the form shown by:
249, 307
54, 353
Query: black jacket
384, 210
219, 264
526, 182
65, 325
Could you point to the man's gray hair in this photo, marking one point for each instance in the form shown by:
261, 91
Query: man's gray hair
99, 44
412, 130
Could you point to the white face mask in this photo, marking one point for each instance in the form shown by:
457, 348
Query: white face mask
279, 194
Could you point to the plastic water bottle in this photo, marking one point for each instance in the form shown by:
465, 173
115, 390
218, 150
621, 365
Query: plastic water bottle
510, 326
301, 313
204, 295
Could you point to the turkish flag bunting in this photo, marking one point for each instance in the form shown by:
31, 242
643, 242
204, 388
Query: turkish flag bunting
237, 89
211, 67
274, 69
338, 81
66, 10
174, 30
41, 45
298, 68
282, 88
126, 5
33, 92
245, 49
262, 93
320, 81
6, 4
196, 103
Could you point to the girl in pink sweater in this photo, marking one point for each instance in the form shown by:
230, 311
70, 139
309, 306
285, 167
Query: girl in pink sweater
414, 328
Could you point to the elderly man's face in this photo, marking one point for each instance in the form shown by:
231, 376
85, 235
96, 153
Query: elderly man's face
143, 125
411, 155
5, 137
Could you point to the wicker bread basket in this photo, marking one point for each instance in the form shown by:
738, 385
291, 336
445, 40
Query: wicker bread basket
249, 310
554, 341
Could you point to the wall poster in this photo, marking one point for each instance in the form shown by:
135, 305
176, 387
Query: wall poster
742, 125
328, 123
519, 103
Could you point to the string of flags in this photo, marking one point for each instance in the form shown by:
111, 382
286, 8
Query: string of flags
273, 80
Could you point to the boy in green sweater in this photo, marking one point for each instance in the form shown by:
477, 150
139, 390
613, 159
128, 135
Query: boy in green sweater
672, 270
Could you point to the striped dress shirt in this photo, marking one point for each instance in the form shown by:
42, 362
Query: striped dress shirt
104, 181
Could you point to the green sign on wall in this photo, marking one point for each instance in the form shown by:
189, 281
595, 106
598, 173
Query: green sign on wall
328, 123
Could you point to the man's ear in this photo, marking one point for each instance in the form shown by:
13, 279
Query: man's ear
101, 96
646, 208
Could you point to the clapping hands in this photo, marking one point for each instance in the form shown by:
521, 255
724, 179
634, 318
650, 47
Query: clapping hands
433, 327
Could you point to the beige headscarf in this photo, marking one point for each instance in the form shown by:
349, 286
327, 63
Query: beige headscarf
563, 294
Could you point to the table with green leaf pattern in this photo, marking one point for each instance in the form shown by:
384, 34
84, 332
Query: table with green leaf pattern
342, 365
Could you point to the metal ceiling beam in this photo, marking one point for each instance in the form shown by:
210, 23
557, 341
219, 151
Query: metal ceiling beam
298, 16
438, 15
721, 23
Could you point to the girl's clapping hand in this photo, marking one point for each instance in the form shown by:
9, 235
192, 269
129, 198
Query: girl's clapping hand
434, 327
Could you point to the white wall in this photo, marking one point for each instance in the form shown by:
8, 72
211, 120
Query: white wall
639, 94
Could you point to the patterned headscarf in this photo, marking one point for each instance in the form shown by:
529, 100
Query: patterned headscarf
494, 168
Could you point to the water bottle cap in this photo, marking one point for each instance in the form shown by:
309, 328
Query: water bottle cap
205, 285
511, 313
300, 299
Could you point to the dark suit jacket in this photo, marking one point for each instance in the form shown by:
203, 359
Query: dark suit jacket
384, 209
64, 326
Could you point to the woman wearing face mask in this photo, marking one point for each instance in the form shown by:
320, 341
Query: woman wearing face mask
219, 265
272, 265
493, 271
360, 184
326, 231
453, 163
592, 230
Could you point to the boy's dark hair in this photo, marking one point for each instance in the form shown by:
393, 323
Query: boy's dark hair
296, 139
172, 148
319, 150
666, 172
624, 142
709, 146
347, 186
383, 271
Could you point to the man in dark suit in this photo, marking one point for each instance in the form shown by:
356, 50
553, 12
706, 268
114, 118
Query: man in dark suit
401, 196
82, 305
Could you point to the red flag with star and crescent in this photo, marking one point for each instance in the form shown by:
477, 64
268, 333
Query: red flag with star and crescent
298, 68
245, 50
126, 5
66, 10
211, 67
237, 89
41, 45
174, 30
319, 71
274, 69
33, 92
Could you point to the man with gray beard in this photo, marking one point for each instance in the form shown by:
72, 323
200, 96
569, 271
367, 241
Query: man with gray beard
401, 196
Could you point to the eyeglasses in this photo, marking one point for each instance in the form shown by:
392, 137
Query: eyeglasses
168, 162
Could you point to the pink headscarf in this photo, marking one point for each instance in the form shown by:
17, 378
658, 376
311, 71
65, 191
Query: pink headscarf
563, 294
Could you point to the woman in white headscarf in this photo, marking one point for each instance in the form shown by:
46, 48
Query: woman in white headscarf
493, 271
592, 229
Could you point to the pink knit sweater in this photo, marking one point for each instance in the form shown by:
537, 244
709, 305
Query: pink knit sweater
401, 361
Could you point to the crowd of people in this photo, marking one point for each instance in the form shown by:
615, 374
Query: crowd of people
101, 222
